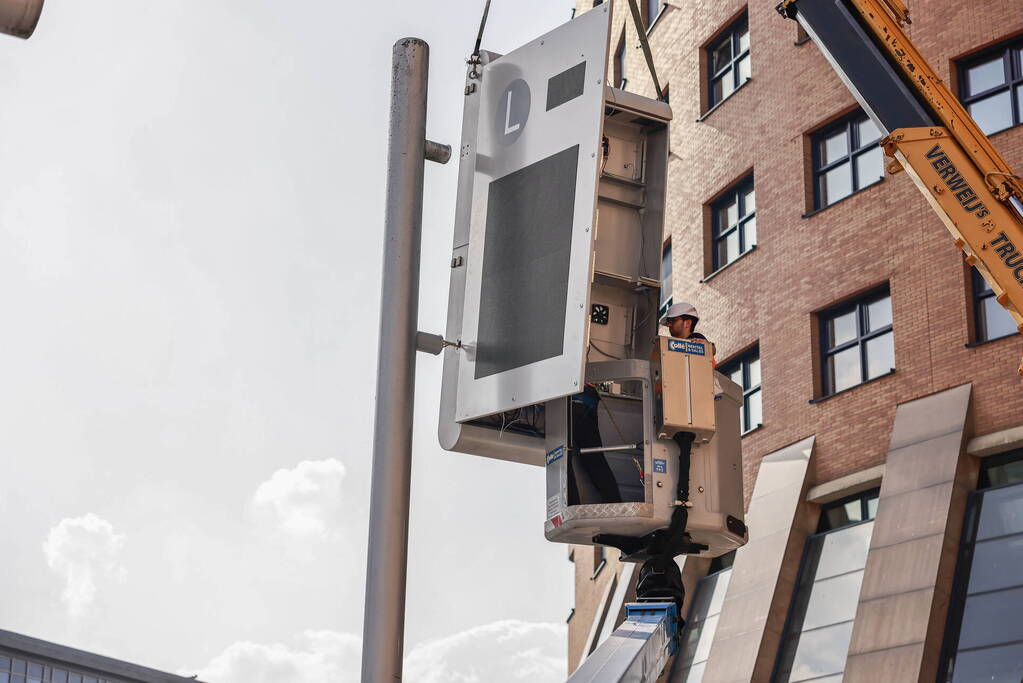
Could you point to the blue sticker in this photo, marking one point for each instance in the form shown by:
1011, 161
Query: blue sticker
555, 455
683, 346
660, 466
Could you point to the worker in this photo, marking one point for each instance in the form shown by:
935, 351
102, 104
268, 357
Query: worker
659, 576
681, 320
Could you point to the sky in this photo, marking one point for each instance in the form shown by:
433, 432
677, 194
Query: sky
191, 214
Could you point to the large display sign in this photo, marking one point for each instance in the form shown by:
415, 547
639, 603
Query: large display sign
533, 213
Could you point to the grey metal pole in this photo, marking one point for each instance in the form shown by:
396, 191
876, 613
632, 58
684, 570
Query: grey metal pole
384, 620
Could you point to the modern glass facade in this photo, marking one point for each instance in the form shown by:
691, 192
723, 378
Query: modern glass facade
820, 622
985, 635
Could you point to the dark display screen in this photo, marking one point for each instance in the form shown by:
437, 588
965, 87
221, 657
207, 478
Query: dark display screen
526, 257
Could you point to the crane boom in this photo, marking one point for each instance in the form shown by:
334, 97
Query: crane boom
928, 132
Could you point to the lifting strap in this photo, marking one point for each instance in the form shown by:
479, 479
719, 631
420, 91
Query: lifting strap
641, 30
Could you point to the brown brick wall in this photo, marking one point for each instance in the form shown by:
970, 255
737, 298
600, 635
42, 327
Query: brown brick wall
886, 233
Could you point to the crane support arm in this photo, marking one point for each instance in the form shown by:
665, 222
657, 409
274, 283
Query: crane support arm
638, 650
964, 178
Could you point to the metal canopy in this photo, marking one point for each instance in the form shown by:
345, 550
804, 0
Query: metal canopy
533, 212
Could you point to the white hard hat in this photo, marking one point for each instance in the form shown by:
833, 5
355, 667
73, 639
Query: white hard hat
678, 310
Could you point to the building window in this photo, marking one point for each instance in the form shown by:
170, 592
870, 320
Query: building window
856, 508
702, 620
984, 640
745, 371
599, 559
857, 342
653, 10
993, 321
991, 87
819, 626
846, 159
734, 223
16, 670
666, 282
728, 61
618, 65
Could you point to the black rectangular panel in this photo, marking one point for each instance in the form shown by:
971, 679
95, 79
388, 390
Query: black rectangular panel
566, 86
875, 83
526, 257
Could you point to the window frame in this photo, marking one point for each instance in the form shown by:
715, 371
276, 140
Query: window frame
1012, 68
736, 192
742, 361
666, 277
980, 322
965, 556
652, 15
864, 497
854, 150
729, 33
863, 335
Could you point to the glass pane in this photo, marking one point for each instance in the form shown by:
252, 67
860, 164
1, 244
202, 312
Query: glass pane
19, 666
833, 601
1001, 513
844, 369
821, 652
16, 678
59, 676
745, 70
35, 669
754, 373
744, 40
749, 202
842, 328
992, 619
836, 184
736, 376
834, 147
695, 674
710, 595
756, 410
1019, 96
985, 76
866, 132
870, 167
5, 663
880, 355
872, 507
717, 89
844, 550
990, 664
993, 113
5, 677
74, 678
721, 55
728, 215
879, 314
996, 320
1009, 473
749, 233
979, 283
996, 564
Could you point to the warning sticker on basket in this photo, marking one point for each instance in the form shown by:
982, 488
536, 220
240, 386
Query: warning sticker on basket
660, 466
553, 506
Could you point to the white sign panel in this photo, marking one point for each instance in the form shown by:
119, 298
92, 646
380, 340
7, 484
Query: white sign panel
533, 212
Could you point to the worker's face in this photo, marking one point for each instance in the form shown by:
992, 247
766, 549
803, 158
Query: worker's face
680, 327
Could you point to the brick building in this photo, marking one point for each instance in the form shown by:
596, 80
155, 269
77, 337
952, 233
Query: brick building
883, 451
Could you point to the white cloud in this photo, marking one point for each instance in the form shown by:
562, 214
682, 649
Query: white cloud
83, 551
303, 499
501, 652
317, 657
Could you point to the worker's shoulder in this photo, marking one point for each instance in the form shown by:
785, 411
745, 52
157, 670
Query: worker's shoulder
697, 335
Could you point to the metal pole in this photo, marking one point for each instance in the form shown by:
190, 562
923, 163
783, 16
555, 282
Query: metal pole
384, 620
